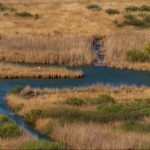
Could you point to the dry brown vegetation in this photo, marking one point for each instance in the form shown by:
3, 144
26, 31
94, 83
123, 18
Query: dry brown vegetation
9, 71
117, 45
15, 143
68, 50
80, 135
48, 98
95, 136
49, 36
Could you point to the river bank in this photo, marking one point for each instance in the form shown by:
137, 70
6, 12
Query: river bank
58, 113
12, 71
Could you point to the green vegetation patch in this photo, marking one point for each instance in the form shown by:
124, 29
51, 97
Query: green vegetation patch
33, 115
147, 48
3, 118
137, 56
8, 129
132, 8
16, 90
75, 101
135, 126
94, 7
144, 8
112, 11
41, 145
105, 112
24, 14
18, 108
5, 8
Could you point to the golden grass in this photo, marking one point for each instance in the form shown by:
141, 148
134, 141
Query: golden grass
117, 44
68, 50
15, 143
9, 71
47, 98
96, 136
65, 17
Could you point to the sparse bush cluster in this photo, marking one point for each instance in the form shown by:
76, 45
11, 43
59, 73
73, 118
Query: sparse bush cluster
8, 129
139, 56
106, 112
136, 8
112, 11
94, 7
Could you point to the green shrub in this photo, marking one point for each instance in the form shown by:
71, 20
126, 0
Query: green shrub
31, 117
24, 14
147, 18
111, 11
103, 99
137, 56
3, 7
41, 145
3, 118
147, 48
145, 8
75, 101
16, 90
94, 7
132, 8
18, 108
9, 130
135, 126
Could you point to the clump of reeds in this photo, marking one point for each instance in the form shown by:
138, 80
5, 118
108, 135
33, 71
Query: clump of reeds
9, 71
68, 50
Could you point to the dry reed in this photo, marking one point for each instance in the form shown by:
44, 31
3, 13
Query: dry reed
9, 71
68, 50
117, 44
48, 98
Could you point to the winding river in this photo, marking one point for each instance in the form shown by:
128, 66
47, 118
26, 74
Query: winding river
94, 75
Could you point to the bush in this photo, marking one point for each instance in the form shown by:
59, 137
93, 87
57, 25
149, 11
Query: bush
16, 90
75, 101
94, 7
145, 8
137, 56
104, 99
135, 126
3, 118
18, 108
24, 14
147, 48
41, 145
3, 7
132, 8
147, 18
9, 130
111, 11
31, 117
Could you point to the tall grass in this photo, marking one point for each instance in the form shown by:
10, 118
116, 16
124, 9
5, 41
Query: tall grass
68, 50
9, 71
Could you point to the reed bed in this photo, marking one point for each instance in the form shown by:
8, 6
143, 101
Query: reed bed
15, 143
80, 125
68, 50
95, 136
10, 71
117, 44
48, 98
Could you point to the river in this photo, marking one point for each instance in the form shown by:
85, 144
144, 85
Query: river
93, 75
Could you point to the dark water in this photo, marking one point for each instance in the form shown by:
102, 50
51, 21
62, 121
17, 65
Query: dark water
94, 75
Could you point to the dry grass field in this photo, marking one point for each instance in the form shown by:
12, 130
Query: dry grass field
84, 118
50, 24
9, 71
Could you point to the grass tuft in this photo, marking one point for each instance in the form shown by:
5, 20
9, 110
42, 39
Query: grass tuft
135, 126
111, 11
41, 145
16, 89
